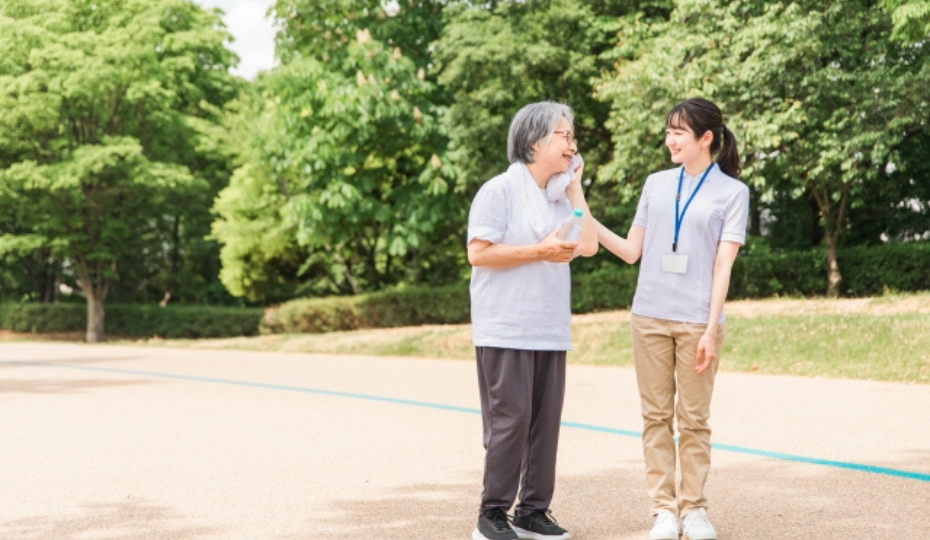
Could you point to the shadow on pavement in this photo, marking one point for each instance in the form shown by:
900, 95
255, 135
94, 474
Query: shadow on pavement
594, 507
62, 386
770, 499
763, 500
7, 363
129, 520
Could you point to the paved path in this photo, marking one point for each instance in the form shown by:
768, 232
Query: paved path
153, 443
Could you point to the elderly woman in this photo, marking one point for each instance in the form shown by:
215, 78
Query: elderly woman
521, 317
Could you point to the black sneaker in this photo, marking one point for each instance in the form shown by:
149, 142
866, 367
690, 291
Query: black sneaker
539, 525
493, 524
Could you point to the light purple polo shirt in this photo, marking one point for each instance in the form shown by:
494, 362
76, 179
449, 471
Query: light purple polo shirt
719, 212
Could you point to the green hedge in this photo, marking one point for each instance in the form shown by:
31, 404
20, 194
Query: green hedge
866, 271
405, 306
758, 274
604, 289
126, 320
409, 306
34, 317
891, 267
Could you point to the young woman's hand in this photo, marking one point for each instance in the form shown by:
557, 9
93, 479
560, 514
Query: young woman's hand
706, 353
577, 174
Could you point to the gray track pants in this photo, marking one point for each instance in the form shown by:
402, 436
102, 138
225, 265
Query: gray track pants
521, 408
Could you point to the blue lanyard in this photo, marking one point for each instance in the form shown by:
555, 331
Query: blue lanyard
680, 217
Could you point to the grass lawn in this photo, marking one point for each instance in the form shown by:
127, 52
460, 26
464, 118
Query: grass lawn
884, 338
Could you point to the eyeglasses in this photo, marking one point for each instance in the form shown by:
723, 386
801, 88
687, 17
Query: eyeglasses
569, 135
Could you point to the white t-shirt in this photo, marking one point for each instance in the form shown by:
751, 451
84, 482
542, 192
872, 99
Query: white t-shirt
524, 307
719, 212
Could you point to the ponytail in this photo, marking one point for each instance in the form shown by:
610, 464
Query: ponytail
728, 158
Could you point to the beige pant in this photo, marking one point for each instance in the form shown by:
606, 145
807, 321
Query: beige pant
664, 354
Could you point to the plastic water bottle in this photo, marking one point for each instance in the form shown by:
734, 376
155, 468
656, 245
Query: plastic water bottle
571, 229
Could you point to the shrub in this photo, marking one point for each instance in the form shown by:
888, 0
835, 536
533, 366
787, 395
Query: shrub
764, 274
758, 274
411, 306
48, 318
133, 320
402, 306
869, 271
604, 289
314, 315
866, 271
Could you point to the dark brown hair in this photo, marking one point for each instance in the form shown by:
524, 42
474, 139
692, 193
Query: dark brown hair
702, 115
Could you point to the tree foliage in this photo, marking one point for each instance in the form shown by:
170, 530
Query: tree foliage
340, 187
819, 95
493, 59
350, 168
911, 19
107, 131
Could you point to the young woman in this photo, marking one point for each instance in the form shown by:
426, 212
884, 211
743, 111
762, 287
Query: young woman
689, 225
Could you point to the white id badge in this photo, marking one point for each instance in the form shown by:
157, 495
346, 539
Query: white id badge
674, 263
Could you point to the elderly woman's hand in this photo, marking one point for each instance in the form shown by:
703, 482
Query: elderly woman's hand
555, 250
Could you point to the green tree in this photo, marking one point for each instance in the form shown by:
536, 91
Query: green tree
897, 210
911, 19
494, 58
108, 114
819, 95
339, 183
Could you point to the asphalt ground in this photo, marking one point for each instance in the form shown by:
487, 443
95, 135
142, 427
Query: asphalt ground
106, 442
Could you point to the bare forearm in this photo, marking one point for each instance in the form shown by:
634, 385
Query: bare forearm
718, 295
720, 284
484, 253
629, 249
504, 256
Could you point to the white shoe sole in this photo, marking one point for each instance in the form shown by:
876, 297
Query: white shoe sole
705, 537
476, 535
529, 535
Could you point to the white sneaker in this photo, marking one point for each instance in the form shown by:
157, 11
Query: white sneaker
665, 527
695, 526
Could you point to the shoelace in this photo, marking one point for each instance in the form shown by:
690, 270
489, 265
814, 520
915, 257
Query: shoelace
545, 516
498, 518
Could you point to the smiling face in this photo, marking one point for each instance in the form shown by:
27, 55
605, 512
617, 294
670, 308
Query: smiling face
685, 147
553, 156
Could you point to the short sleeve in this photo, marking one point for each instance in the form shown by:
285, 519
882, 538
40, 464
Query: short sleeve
487, 219
642, 209
736, 217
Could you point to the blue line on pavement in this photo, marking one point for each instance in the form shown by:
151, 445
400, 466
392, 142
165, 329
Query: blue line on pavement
922, 477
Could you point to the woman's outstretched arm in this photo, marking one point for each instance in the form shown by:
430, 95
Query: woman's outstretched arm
629, 249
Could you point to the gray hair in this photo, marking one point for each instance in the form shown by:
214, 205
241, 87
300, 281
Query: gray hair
531, 125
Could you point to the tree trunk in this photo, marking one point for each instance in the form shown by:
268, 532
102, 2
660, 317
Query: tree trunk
832, 216
174, 267
816, 230
95, 319
755, 213
834, 278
